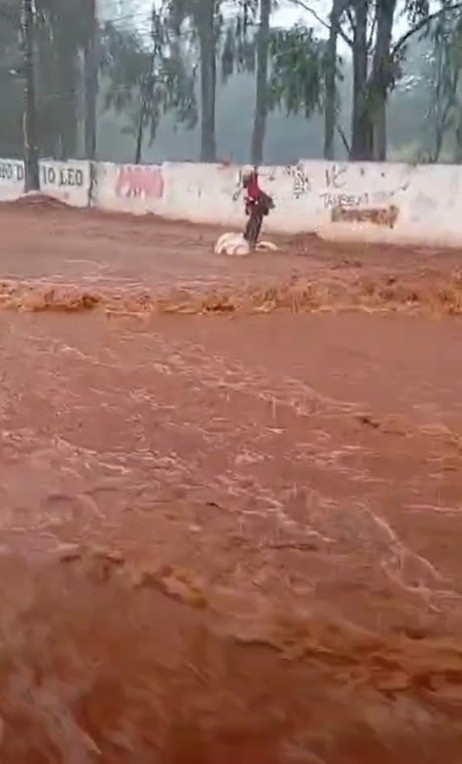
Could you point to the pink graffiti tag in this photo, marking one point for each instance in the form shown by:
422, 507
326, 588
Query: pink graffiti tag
140, 180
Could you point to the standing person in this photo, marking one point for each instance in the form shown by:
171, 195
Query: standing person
257, 205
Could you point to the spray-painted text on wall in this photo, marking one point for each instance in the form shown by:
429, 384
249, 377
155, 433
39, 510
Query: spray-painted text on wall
140, 181
61, 176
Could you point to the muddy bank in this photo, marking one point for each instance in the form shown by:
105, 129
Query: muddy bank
434, 296
72, 260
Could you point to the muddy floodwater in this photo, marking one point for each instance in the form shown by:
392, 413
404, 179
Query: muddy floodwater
230, 498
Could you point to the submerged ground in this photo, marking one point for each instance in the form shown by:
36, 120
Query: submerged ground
231, 498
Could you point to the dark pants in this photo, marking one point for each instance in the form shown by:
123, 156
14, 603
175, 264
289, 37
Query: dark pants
254, 223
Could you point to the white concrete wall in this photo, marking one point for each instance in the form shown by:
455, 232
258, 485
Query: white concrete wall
359, 201
404, 203
349, 201
11, 179
137, 189
67, 181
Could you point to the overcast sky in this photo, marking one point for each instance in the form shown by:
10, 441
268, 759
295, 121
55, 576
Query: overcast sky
287, 14
139, 10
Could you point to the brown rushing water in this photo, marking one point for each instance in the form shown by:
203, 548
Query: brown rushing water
231, 537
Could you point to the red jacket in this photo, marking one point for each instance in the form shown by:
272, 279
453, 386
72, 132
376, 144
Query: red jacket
256, 196
253, 189
253, 192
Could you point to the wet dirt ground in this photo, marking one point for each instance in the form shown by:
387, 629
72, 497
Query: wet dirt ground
231, 498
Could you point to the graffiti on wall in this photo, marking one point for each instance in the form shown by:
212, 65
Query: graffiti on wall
68, 176
335, 176
358, 206
11, 172
335, 200
301, 181
140, 181
51, 174
383, 216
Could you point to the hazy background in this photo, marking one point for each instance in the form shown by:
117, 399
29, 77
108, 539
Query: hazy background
61, 95
288, 138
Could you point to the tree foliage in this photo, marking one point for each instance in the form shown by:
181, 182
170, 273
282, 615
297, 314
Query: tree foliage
10, 83
174, 69
297, 71
146, 81
238, 41
201, 22
143, 79
445, 107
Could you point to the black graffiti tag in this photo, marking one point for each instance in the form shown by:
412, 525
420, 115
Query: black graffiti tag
11, 171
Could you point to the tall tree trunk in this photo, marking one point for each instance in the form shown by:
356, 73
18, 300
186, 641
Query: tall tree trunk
139, 144
91, 65
31, 161
147, 87
208, 149
361, 128
261, 96
68, 111
379, 127
140, 132
48, 88
331, 88
458, 139
380, 78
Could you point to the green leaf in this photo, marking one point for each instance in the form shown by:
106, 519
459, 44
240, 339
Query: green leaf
297, 71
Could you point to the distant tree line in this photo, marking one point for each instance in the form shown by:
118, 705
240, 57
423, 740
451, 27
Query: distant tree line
66, 60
